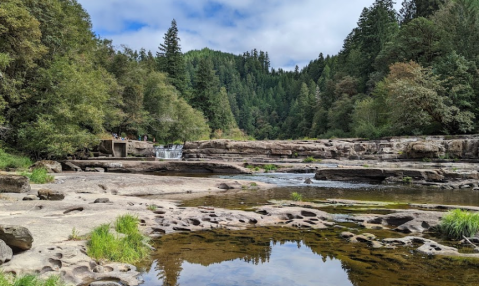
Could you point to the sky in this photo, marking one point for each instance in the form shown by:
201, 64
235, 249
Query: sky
293, 32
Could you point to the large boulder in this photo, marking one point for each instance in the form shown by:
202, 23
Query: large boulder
50, 166
17, 237
49, 195
6, 252
14, 184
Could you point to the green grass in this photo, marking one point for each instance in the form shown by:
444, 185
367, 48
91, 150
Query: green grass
9, 161
130, 248
311, 160
39, 176
458, 223
29, 280
407, 180
297, 197
152, 207
270, 167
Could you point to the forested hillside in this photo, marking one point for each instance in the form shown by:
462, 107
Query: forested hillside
407, 72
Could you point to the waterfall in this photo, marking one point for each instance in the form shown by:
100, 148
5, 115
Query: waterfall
169, 151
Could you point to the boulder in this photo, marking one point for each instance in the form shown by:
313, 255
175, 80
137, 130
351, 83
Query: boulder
308, 181
49, 195
6, 252
14, 184
230, 186
30, 198
16, 237
50, 166
101, 201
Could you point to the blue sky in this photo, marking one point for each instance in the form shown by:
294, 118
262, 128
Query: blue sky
291, 31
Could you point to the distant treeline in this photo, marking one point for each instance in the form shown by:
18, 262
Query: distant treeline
406, 72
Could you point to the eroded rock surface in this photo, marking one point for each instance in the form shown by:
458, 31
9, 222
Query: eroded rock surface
14, 184
6, 252
49, 165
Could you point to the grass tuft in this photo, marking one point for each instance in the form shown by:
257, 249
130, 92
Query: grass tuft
458, 223
9, 161
311, 160
130, 248
39, 176
270, 167
297, 197
29, 280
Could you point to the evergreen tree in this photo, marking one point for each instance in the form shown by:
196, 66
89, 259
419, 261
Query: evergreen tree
170, 59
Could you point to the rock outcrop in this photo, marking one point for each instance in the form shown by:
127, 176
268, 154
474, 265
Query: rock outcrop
14, 184
395, 148
51, 195
50, 166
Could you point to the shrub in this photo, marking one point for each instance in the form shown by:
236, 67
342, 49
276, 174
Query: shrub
270, 167
297, 197
130, 248
13, 161
311, 160
458, 223
39, 176
407, 180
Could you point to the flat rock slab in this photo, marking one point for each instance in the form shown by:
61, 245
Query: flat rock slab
14, 184
17, 237
361, 174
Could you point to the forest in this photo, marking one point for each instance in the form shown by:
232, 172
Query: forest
407, 72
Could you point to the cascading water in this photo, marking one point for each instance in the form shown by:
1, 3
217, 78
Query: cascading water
169, 151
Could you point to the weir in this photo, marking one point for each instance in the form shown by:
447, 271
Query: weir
169, 151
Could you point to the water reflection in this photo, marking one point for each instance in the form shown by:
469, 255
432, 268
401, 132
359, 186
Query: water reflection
282, 256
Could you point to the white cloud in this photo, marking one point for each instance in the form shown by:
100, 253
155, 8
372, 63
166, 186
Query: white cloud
290, 31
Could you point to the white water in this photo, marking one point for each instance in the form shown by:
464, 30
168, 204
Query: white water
169, 151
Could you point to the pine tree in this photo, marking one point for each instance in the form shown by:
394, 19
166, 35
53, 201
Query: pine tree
170, 59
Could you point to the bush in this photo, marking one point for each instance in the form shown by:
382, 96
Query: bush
131, 248
8, 161
458, 223
270, 167
39, 176
297, 197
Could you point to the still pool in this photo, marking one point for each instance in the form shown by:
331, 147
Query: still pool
283, 256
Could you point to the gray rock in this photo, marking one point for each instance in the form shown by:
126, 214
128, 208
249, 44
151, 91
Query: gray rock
69, 166
50, 166
30, 198
6, 252
92, 169
17, 237
14, 184
230, 186
50, 195
102, 201
105, 283
308, 181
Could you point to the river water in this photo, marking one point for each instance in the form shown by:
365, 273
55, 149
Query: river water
284, 256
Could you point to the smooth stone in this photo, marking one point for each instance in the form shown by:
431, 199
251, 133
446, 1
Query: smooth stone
49, 195
16, 236
6, 252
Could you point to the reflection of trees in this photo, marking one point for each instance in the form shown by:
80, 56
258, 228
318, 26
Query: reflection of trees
364, 265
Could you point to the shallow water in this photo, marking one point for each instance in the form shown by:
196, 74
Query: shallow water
283, 256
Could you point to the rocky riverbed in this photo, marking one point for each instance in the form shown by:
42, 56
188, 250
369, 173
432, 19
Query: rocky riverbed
78, 201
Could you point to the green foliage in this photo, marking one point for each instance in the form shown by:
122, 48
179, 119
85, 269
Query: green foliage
152, 207
311, 160
29, 280
128, 249
297, 197
457, 224
9, 161
39, 176
270, 167
74, 235
407, 180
